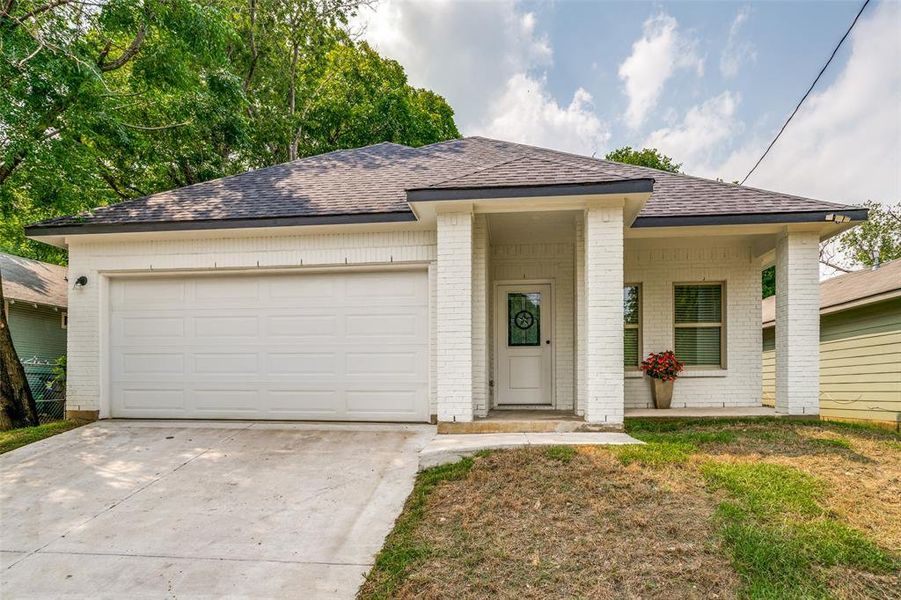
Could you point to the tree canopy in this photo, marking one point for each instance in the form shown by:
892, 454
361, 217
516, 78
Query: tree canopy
647, 157
102, 102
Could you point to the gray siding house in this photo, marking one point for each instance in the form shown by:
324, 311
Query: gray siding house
35, 306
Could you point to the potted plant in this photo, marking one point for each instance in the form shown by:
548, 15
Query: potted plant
662, 368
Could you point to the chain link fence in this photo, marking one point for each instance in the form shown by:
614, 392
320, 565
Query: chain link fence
47, 387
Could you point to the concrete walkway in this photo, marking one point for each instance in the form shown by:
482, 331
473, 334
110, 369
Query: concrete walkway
444, 449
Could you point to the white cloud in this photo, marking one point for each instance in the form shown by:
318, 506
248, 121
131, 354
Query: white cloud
465, 51
526, 113
656, 56
487, 59
737, 51
844, 145
704, 127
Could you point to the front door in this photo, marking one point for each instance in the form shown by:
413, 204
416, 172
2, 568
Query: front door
524, 345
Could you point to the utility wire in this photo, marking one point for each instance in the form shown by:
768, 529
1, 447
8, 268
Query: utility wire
810, 89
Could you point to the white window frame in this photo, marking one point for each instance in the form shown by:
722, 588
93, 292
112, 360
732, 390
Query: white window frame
721, 323
637, 326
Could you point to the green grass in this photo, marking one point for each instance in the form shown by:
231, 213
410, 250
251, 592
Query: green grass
16, 438
765, 489
780, 537
562, 454
403, 551
832, 443
654, 453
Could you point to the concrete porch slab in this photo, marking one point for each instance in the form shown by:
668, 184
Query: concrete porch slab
699, 413
445, 449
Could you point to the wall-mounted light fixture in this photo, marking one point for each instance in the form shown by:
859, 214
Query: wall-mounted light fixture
81, 281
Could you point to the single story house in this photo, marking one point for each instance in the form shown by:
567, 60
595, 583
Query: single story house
390, 283
860, 346
35, 300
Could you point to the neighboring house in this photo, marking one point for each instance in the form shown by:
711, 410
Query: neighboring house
390, 283
860, 346
35, 306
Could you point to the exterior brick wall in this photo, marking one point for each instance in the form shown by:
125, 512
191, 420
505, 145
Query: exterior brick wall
657, 267
797, 324
604, 314
455, 312
87, 318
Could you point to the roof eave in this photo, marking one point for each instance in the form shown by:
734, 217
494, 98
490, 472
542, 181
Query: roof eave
39, 231
818, 216
631, 186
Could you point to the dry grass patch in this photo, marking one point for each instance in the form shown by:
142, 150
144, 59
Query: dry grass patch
758, 508
521, 524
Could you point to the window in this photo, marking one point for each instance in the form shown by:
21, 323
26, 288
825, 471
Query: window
698, 319
631, 325
64, 320
524, 319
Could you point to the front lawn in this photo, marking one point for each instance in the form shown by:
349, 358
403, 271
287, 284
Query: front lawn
16, 438
757, 508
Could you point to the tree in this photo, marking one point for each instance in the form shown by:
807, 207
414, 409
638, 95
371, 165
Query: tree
17, 406
103, 102
876, 241
647, 157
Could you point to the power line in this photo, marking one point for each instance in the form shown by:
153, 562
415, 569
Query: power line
810, 89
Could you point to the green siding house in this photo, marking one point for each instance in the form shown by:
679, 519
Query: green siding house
860, 347
35, 298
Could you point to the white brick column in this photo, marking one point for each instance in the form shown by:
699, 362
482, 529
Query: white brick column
604, 376
480, 315
454, 304
798, 324
579, 305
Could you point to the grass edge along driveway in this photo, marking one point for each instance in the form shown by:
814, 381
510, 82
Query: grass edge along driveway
16, 438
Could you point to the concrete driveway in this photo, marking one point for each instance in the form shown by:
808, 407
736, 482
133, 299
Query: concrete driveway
128, 509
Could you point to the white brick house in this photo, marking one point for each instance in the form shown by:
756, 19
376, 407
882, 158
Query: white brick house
401, 284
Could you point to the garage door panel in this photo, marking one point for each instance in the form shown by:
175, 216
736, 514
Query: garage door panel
136, 364
212, 328
226, 400
151, 401
301, 326
302, 363
371, 404
272, 347
227, 364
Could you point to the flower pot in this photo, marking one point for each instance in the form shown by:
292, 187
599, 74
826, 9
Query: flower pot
662, 391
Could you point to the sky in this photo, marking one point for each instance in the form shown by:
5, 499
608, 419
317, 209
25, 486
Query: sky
707, 83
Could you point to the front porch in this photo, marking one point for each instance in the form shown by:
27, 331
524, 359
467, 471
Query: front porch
543, 326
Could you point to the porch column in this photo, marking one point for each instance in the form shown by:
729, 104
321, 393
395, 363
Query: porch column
454, 308
603, 246
798, 324
480, 315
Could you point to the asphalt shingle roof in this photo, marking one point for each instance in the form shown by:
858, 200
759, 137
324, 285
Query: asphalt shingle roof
850, 287
29, 280
374, 180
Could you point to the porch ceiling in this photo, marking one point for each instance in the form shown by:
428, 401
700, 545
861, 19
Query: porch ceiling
532, 227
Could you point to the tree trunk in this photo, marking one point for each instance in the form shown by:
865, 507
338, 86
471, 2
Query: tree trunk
17, 407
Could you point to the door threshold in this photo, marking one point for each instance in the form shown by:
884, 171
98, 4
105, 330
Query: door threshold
526, 407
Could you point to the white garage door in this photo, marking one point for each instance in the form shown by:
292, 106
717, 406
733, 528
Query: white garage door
350, 346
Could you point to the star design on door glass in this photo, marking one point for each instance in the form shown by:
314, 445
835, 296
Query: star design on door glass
524, 319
